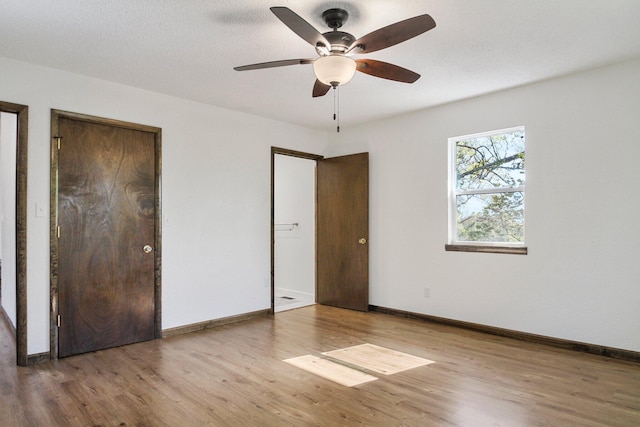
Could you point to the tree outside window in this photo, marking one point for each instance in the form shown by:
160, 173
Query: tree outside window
487, 188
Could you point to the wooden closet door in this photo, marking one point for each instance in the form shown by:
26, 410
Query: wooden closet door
106, 215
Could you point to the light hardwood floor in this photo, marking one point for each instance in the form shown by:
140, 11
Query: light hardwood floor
234, 376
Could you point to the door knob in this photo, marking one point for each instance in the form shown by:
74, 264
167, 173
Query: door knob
147, 249
362, 241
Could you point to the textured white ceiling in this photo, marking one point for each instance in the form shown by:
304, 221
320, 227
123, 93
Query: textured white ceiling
188, 48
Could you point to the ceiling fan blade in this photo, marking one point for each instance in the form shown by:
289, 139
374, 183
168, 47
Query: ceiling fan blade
394, 34
320, 89
300, 26
386, 71
273, 64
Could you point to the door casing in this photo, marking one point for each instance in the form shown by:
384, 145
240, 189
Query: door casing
157, 250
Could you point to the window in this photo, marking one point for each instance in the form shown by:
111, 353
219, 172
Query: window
486, 184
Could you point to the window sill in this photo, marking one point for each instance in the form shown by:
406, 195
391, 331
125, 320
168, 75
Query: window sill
519, 250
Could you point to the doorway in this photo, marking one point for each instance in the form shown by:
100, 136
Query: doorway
8, 139
341, 224
15, 118
105, 233
294, 232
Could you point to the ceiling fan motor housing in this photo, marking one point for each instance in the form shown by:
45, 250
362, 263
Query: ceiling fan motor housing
340, 41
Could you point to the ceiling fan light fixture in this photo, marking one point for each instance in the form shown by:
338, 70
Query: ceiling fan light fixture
334, 70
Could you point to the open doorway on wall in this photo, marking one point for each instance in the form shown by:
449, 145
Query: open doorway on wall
294, 232
14, 251
8, 138
319, 233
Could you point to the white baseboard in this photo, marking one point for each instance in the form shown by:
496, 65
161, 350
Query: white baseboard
301, 299
279, 292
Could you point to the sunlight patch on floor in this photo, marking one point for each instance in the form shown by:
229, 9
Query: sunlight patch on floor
345, 366
378, 359
330, 370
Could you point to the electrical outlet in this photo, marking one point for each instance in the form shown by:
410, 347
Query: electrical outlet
427, 292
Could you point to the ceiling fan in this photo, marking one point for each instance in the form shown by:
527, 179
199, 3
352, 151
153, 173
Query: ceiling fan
335, 66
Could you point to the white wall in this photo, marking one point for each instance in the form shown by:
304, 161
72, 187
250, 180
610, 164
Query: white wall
8, 136
215, 192
581, 279
295, 203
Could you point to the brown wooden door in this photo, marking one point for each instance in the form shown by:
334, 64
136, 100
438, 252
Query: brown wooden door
106, 215
342, 265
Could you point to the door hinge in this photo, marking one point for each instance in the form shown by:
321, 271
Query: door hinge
58, 231
58, 141
58, 320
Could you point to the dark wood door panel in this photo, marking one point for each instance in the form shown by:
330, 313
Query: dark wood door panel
106, 214
342, 265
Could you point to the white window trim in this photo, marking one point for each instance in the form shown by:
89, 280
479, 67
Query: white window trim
467, 246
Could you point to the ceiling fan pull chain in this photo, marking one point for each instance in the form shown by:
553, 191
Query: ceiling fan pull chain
334, 103
338, 108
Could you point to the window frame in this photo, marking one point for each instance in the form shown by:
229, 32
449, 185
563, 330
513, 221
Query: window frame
471, 246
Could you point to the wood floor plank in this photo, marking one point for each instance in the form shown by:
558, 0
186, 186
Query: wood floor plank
235, 375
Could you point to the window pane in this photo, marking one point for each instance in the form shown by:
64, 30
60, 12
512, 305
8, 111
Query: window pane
497, 217
495, 161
